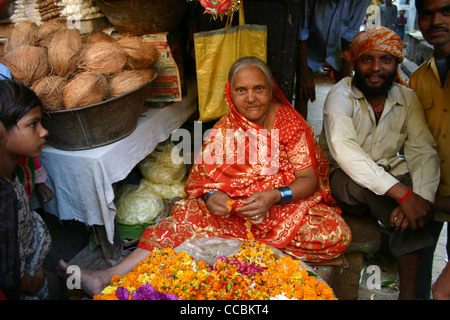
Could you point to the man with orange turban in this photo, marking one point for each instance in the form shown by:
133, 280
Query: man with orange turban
381, 39
382, 155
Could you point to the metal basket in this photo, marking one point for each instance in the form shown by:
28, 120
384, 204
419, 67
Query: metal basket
98, 124
139, 17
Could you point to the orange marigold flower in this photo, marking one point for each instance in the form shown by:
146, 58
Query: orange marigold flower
230, 205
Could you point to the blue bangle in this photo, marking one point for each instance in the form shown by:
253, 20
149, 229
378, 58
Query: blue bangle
209, 194
286, 195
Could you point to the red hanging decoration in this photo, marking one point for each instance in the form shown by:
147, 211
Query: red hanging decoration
216, 7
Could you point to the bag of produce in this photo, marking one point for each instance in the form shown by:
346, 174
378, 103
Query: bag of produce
123, 191
139, 207
164, 191
164, 165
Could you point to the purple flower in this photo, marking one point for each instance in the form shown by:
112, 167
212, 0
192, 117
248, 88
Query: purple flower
147, 292
122, 293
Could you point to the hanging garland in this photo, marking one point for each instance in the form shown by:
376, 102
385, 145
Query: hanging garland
219, 8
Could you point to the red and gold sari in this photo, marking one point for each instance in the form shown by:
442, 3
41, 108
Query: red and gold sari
311, 229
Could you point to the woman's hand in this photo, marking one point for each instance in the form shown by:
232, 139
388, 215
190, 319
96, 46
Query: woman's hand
217, 204
258, 204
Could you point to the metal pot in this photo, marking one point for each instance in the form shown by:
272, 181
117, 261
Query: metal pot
98, 124
139, 17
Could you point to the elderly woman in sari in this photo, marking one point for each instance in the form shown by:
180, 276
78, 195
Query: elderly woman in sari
285, 196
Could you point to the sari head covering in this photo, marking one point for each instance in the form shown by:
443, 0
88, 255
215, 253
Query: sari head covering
377, 38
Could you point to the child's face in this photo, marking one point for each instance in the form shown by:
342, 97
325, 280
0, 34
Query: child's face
27, 139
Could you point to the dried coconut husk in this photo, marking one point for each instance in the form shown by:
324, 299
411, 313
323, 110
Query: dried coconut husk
84, 89
104, 57
148, 74
129, 80
47, 30
64, 52
97, 36
141, 55
22, 33
27, 63
50, 90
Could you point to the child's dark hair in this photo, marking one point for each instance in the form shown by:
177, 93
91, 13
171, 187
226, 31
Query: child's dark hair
16, 99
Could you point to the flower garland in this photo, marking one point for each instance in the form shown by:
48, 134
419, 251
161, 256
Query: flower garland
251, 274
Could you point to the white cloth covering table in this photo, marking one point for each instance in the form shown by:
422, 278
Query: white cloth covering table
83, 180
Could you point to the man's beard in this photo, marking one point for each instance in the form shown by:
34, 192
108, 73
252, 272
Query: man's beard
359, 81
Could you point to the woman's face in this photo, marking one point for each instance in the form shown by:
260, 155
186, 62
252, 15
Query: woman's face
251, 94
27, 139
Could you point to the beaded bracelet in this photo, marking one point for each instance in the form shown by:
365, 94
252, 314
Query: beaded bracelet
405, 196
286, 195
209, 194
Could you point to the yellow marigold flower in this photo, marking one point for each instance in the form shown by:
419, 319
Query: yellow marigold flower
109, 289
230, 205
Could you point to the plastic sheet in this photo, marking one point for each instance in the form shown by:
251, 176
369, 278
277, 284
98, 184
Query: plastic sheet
209, 249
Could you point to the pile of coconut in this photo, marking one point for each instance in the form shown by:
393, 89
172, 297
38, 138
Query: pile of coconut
68, 70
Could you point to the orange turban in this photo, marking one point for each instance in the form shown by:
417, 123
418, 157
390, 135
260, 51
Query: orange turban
377, 38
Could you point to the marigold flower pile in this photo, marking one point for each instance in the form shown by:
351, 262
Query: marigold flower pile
253, 273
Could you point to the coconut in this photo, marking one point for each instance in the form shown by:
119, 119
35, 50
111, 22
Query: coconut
27, 63
129, 80
148, 74
104, 57
141, 55
47, 30
22, 33
98, 36
84, 89
50, 90
64, 52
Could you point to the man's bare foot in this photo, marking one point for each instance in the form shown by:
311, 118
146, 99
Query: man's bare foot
92, 281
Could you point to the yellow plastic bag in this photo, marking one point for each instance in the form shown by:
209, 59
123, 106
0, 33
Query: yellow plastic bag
215, 52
